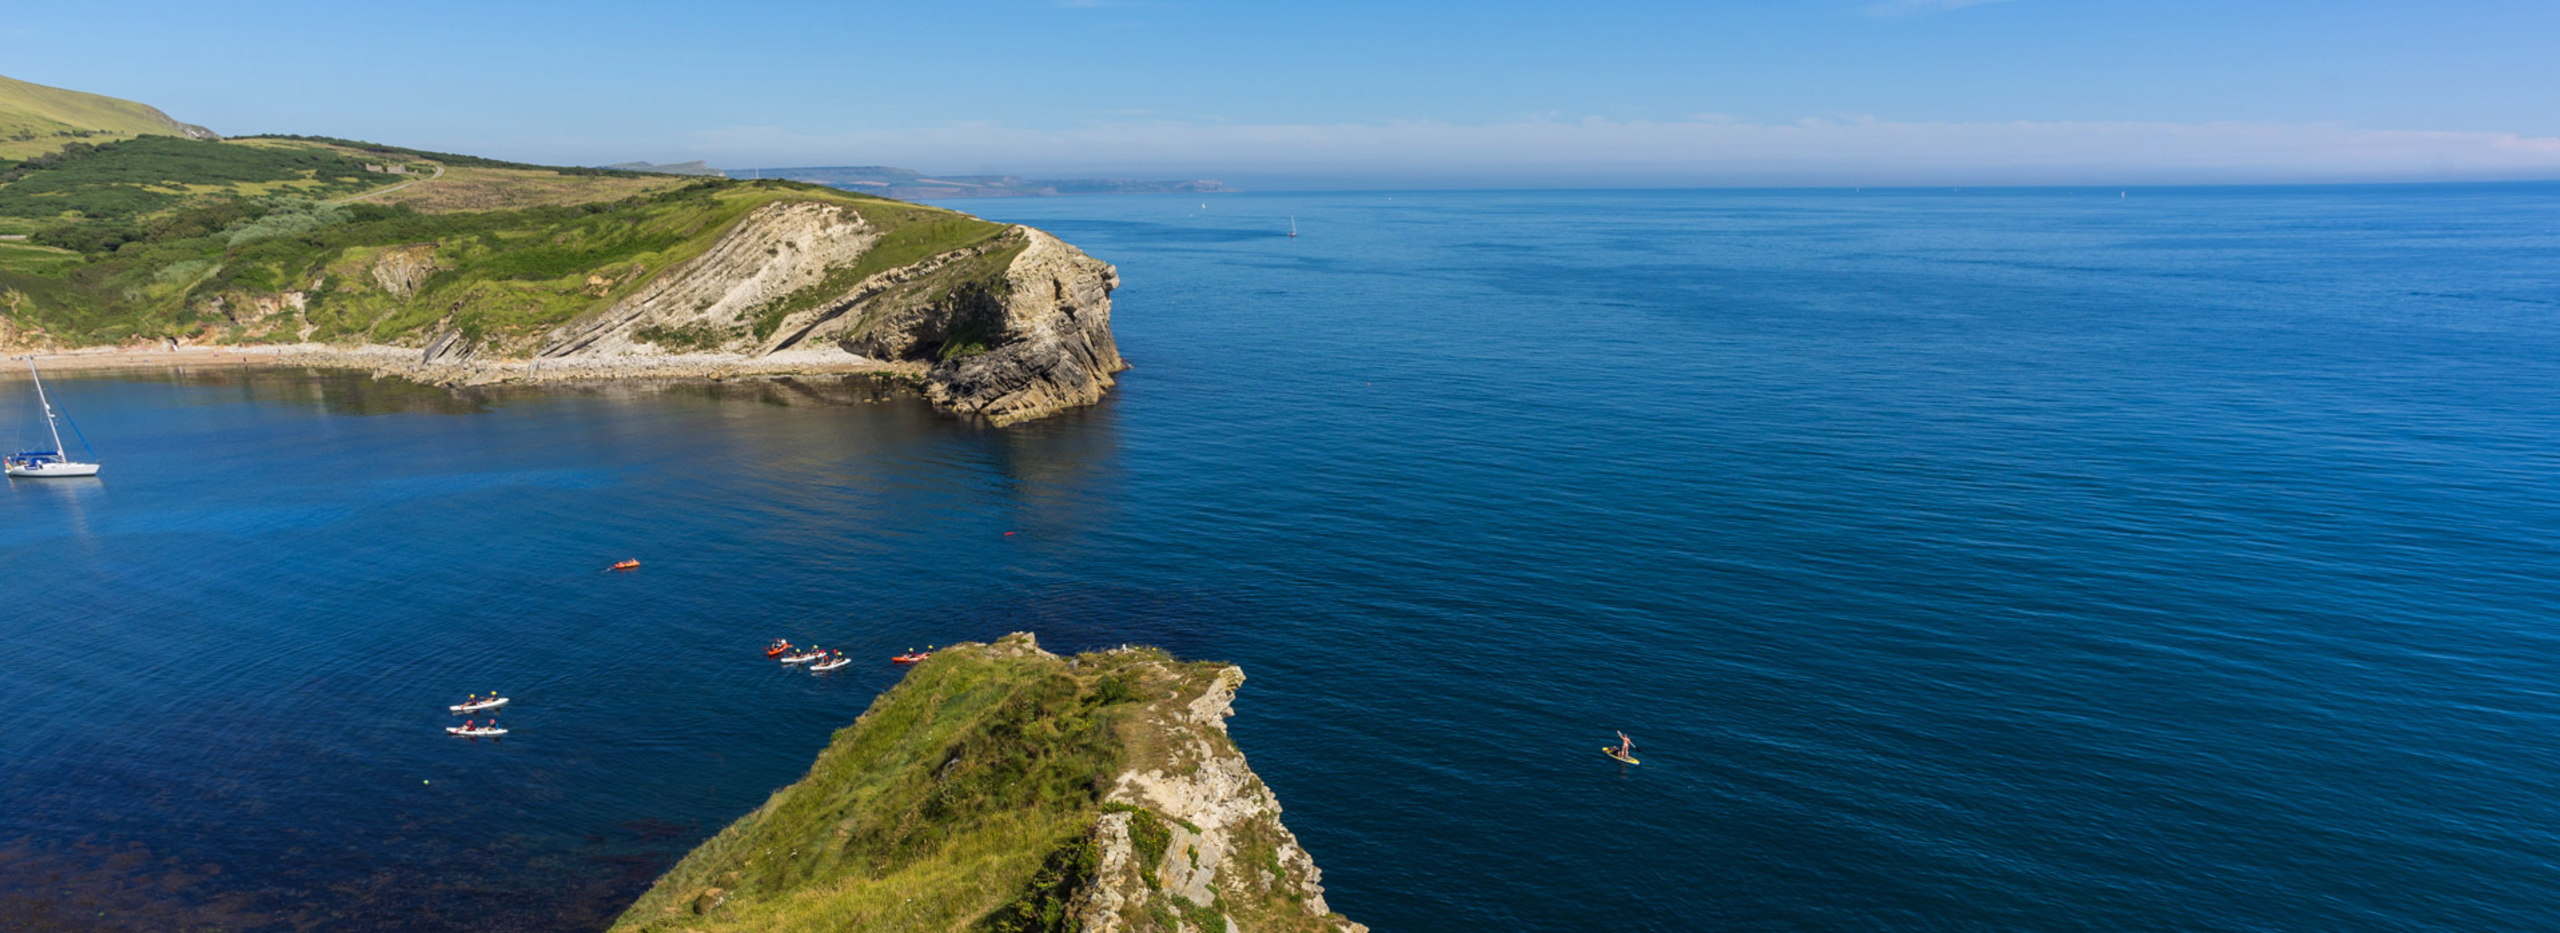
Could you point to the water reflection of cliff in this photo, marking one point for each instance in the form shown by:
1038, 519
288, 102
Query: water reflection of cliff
347, 393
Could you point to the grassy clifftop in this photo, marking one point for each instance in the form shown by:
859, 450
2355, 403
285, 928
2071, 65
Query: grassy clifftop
496, 271
275, 239
35, 119
1002, 788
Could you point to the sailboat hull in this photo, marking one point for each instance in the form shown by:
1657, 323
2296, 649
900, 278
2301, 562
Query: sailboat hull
45, 463
43, 470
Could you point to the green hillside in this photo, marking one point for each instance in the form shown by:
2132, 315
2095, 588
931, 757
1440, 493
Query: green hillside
115, 185
35, 119
163, 237
219, 267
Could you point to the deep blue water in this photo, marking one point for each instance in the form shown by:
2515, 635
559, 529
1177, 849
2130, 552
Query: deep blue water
1981, 560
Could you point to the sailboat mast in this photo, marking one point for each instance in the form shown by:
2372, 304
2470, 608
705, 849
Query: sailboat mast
48, 409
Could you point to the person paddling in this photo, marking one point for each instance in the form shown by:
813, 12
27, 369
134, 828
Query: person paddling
1626, 750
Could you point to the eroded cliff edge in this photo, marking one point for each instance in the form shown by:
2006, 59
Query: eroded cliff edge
1011, 327
1004, 788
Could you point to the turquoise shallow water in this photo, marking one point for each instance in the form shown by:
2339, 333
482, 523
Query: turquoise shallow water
1968, 560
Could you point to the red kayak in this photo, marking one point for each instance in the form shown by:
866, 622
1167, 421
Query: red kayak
626, 565
910, 658
778, 648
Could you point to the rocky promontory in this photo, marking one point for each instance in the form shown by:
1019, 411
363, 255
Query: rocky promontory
1012, 327
1004, 788
483, 272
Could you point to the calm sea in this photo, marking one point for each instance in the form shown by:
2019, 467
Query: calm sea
1959, 560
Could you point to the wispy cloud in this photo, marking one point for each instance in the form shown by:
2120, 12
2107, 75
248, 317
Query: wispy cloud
1919, 7
1704, 152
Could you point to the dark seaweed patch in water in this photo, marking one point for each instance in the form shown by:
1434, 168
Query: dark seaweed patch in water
112, 888
89, 886
656, 830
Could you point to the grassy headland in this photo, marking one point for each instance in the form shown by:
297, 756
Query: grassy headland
167, 238
934, 809
464, 270
1002, 788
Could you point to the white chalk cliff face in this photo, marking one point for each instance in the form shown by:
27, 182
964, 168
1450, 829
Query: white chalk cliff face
1015, 328
778, 249
1225, 853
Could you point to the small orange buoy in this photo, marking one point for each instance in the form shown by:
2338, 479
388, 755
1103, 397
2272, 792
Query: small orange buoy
627, 565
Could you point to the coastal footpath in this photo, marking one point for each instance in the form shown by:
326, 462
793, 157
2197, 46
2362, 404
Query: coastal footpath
1003, 788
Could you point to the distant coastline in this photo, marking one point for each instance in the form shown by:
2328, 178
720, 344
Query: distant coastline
910, 185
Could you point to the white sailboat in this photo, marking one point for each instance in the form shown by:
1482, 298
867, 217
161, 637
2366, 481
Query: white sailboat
46, 463
1293, 226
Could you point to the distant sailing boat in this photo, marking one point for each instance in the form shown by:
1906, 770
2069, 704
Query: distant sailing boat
46, 462
1293, 225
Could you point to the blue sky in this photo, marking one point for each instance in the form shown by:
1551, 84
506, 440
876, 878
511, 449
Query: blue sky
1488, 92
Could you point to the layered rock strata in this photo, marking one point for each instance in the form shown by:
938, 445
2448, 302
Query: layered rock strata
1010, 328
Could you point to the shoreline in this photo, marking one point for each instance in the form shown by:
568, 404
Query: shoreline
403, 363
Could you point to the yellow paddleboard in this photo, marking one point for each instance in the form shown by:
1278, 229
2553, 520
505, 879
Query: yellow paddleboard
1613, 753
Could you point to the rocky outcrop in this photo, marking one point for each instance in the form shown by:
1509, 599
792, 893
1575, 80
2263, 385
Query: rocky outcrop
1053, 348
778, 249
1223, 846
401, 269
1013, 328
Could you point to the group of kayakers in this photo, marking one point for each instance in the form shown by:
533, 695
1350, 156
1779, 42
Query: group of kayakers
830, 658
475, 703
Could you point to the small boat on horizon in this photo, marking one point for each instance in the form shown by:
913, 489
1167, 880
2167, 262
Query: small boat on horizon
1293, 226
46, 463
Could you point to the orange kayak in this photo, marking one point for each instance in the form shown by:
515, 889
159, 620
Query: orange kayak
627, 565
910, 658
